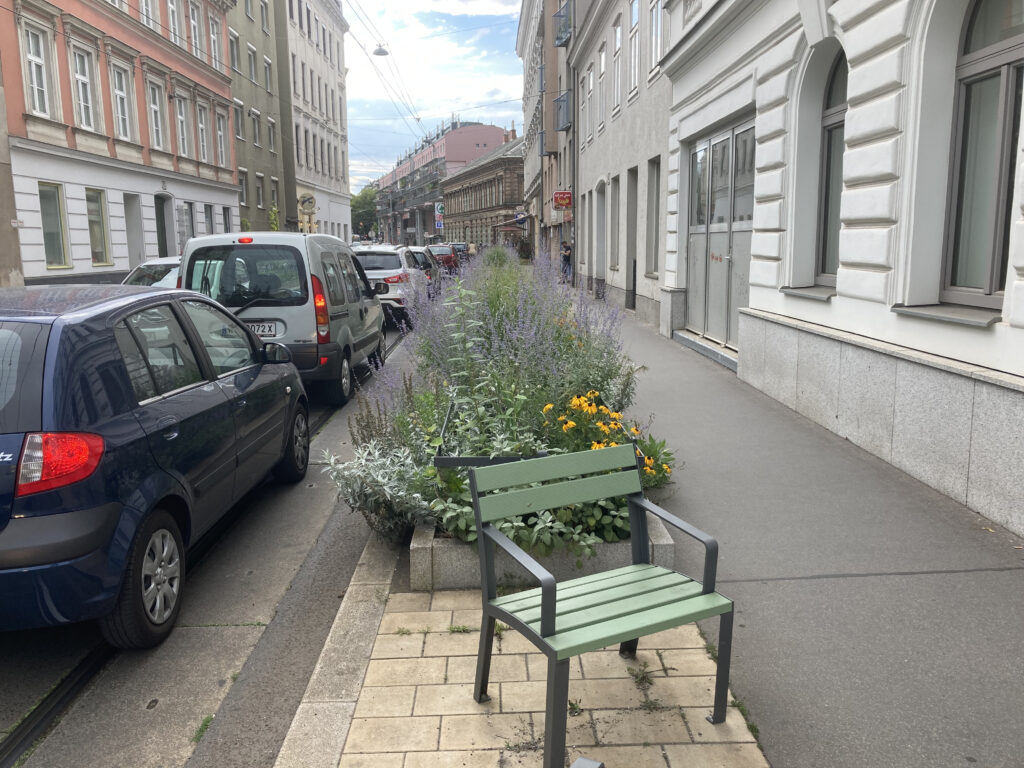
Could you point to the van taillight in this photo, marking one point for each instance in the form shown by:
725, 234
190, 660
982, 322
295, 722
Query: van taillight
178, 283
323, 320
54, 459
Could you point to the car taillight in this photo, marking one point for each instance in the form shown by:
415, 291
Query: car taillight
54, 459
178, 283
323, 320
402, 278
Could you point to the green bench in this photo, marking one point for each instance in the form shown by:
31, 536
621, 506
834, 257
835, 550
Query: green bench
590, 612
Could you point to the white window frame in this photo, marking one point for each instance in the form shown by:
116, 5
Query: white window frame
616, 65
265, 16
155, 112
214, 27
273, 192
655, 15
590, 102
259, 190
634, 46
174, 23
182, 125
268, 73
81, 73
202, 128
104, 226
37, 71
62, 223
250, 55
602, 64
195, 27
221, 122
121, 101
146, 15
239, 120
248, 9
234, 55
256, 128
271, 134
243, 187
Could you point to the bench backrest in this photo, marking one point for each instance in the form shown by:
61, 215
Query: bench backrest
570, 478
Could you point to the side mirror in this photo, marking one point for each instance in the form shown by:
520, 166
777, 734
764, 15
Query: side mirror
276, 353
380, 288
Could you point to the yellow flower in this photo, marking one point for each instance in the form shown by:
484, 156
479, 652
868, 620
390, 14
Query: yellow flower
562, 417
615, 425
639, 453
649, 461
568, 425
615, 415
604, 409
548, 407
634, 430
546, 423
649, 471
593, 393
596, 445
667, 468
612, 444
603, 428
591, 409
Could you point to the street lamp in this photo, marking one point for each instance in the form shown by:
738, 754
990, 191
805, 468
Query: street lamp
380, 50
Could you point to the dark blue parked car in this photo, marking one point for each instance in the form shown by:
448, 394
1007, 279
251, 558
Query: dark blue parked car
131, 419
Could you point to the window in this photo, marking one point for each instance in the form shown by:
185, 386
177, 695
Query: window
156, 116
119, 86
990, 84
170, 362
655, 15
208, 216
291, 9
259, 190
222, 151
600, 88
202, 128
226, 343
265, 16
226, 217
590, 100
248, 9
256, 132
96, 210
634, 45
146, 13
271, 135
195, 28
83, 88
174, 23
51, 208
233, 50
239, 125
833, 122
38, 79
267, 72
214, 42
303, 65
181, 115
251, 56
273, 192
298, 145
243, 188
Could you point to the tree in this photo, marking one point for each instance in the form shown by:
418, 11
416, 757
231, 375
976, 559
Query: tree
364, 211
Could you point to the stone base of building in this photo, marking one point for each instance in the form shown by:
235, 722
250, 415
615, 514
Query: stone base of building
648, 311
955, 427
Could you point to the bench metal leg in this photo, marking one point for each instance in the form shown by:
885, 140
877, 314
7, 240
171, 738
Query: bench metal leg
722, 678
483, 660
557, 713
627, 649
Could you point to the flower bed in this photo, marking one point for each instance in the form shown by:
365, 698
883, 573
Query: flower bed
522, 363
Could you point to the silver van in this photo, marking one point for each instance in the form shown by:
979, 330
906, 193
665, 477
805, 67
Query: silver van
303, 291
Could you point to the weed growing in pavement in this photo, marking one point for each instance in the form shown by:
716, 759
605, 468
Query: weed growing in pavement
499, 629
575, 710
742, 709
712, 651
459, 629
641, 676
652, 705
403, 631
203, 726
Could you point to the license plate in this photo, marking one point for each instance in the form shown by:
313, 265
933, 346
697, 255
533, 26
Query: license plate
263, 329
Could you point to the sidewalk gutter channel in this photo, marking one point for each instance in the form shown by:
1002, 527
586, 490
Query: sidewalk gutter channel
319, 729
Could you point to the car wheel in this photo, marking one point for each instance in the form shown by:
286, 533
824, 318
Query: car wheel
151, 590
293, 465
339, 392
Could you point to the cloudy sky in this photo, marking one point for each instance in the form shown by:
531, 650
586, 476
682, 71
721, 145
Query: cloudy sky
447, 57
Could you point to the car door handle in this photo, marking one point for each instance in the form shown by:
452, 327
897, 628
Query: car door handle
168, 427
240, 403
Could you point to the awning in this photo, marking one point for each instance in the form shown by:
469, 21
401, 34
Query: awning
512, 228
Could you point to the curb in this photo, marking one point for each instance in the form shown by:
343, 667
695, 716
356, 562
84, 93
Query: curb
320, 726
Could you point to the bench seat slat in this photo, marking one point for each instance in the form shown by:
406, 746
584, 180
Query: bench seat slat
632, 594
531, 597
528, 500
637, 624
551, 467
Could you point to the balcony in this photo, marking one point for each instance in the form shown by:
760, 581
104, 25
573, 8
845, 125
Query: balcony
563, 26
563, 112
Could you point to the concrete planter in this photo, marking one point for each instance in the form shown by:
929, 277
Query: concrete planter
445, 563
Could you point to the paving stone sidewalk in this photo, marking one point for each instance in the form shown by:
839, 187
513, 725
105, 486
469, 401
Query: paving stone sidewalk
416, 709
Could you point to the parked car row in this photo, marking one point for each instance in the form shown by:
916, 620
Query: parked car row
133, 417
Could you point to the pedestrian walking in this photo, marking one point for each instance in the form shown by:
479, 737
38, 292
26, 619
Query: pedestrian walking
566, 254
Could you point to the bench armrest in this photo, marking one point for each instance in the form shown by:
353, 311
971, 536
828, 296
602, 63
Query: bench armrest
547, 581
710, 544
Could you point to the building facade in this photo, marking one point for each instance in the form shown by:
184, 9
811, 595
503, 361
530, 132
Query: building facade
120, 121
316, 30
262, 113
862, 157
481, 200
408, 195
621, 102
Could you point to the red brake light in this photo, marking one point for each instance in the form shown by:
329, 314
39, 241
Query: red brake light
323, 320
245, 240
402, 278
178, 284
54, 459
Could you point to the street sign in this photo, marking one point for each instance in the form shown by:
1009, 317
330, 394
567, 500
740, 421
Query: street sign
563, 200
520, 216
438, 224
439, 209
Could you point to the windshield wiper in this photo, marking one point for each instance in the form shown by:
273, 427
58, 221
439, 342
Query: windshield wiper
271, 299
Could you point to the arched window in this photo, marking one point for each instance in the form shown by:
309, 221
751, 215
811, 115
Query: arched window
989, 83
833, 144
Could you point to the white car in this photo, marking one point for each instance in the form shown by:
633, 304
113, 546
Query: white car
162, 273
395, 272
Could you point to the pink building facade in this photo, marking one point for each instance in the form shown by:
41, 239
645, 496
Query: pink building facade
120, 131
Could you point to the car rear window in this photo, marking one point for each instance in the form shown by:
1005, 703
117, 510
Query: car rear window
154, 274
441, 250
241, 275
22, 352
371, 260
